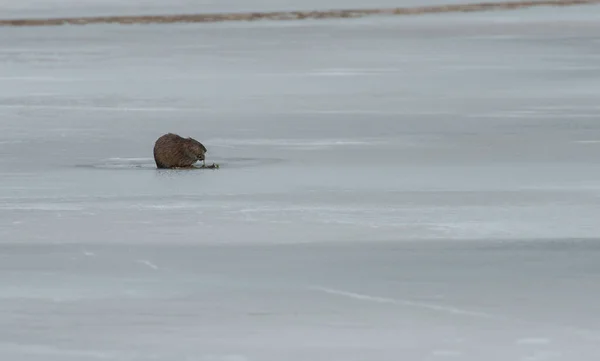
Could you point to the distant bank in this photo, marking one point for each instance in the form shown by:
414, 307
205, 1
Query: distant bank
291, 15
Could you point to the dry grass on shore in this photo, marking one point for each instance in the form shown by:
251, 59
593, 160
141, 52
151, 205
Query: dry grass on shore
292, 15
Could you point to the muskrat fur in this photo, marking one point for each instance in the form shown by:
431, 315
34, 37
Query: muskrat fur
173, 151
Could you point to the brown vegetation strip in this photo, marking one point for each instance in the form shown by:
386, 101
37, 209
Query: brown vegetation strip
292, 15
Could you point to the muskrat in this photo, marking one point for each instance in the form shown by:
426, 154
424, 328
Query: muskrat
173, 151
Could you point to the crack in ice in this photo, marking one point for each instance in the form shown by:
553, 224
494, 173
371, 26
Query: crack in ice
148, 263
584, 333
402, 302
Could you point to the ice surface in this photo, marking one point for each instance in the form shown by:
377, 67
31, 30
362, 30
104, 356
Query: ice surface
390, 189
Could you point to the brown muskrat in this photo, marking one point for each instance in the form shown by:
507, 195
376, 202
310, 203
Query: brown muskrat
173, 151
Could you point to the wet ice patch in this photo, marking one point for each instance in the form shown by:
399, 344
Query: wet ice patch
122, 163
533, 341
45, 351
148, 163
40, 207
224, 358
543, 356
301, 144
446, 353
352, 71
543, 112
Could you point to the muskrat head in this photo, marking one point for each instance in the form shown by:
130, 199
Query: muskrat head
196, 149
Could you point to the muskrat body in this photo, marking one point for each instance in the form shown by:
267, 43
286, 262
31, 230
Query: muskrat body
173, 151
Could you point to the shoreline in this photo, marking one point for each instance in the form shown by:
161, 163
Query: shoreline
292, 15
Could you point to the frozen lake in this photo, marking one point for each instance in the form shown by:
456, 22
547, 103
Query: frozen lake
391, 188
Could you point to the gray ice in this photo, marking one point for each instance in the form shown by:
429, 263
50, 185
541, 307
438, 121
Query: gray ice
390, 189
